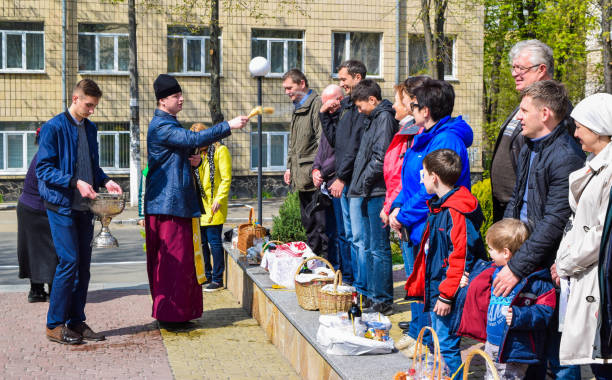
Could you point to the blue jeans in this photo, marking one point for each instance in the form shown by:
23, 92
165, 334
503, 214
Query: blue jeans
342, 247
449, 343
409, 253
72, 239
211, 235
374, 277
348, 233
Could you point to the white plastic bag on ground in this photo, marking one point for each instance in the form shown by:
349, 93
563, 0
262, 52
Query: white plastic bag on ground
336, 335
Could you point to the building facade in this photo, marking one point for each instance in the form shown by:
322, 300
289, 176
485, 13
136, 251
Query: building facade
386, 35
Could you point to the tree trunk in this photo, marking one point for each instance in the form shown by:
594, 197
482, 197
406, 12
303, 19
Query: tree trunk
134, 108
430, 41
439, 37
606, 42
493, 96
214, 104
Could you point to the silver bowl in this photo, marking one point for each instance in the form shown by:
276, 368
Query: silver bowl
105, 206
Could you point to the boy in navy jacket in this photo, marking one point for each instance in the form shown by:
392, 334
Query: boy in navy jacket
450, 245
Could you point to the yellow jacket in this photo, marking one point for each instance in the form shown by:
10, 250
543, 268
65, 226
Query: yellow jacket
223, 179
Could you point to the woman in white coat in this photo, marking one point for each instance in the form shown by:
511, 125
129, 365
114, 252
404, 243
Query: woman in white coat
575, 268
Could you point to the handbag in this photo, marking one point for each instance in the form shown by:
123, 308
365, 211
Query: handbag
247, 232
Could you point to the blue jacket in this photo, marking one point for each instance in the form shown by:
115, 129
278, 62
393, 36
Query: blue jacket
57, 159
169, 185
448, 133
453, 243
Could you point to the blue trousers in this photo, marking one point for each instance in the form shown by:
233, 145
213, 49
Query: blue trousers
338, 247
211, 236
72, 239
348, 233
449, 343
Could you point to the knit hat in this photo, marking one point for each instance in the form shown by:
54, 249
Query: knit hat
165, 85
595, 113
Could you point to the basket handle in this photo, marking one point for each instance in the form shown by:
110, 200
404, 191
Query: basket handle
337, 280
417, 358
263, 249
251, 211
486, 357
313, 258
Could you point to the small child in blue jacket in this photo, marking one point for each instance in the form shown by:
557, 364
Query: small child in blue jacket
516, 324
450, 245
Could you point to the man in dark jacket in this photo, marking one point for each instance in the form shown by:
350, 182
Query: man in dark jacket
303, 144
68, 172
540, 197
323, 174
171, 203
367, 194
345, 126
532, 61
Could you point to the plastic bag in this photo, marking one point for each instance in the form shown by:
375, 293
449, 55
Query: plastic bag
338, 335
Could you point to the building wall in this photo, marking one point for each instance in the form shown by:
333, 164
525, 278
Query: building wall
37, 97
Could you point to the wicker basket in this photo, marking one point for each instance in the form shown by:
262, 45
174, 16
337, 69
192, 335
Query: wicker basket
487, 358
247, 232
308, 293
331, 302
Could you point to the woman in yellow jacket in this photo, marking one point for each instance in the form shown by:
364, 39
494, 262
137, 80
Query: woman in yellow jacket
215, 175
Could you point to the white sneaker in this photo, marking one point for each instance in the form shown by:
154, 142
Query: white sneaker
406, 344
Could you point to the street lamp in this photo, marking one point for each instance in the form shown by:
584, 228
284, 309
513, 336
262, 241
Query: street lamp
259, 67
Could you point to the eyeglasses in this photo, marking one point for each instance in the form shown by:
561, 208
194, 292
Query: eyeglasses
413, 105
521, 69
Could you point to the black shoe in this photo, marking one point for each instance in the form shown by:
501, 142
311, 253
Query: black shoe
213, 287
382, 308
404, 325
37, 295
208, 281
176, 326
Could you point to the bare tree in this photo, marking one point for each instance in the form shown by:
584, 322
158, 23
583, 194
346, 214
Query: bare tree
606, 42
434, 39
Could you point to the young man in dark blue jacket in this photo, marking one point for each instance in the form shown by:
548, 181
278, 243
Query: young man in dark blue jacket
450, 245
69, 172
366, 197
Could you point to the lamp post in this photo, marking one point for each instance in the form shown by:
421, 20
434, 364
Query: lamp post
259, 67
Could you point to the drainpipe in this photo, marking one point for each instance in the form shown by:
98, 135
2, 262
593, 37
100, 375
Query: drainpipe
64, 104
397, 42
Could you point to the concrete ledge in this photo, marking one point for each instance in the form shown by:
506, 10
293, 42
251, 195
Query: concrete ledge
293, 330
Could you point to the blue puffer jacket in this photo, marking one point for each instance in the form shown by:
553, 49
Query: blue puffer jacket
57, 159
169, 186
448, 133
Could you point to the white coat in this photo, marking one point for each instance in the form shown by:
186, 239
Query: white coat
578, 255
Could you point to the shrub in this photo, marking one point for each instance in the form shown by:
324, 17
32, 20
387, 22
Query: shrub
1, 198
287, 226
482, 191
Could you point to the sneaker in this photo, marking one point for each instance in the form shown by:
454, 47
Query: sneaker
406, 342
208, 281
382, 308
213, 287
37, 296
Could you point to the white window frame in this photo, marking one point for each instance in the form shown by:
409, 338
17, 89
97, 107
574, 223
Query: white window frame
23, 69
285, 41
453, 76
97, 70
266, 140
203, 55
115, 169
347, 47
26, 161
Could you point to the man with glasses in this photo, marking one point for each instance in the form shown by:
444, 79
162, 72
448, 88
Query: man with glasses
532, 61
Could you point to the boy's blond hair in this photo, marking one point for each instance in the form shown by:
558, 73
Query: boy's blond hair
507, 233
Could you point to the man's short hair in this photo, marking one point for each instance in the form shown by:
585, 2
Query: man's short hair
88, 87
296, 76
364, 89
550, 94
438, 96
354, 67
507, 233
446, 164
539, 53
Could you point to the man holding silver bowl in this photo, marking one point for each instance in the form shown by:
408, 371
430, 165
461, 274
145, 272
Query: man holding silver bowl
69, 172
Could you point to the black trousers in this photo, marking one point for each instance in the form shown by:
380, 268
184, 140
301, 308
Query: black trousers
499, 208
314, 224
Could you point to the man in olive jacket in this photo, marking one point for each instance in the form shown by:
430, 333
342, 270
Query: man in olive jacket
303, 145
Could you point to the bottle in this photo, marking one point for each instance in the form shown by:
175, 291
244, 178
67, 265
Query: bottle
354, 312
305, 269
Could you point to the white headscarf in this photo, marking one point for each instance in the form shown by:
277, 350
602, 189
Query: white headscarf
595, 113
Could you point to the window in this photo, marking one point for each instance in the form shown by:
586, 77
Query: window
114, 146
275, 143
17, 146
22, 47
365, 47
103, 48
188, 51
417, 56
282, 48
